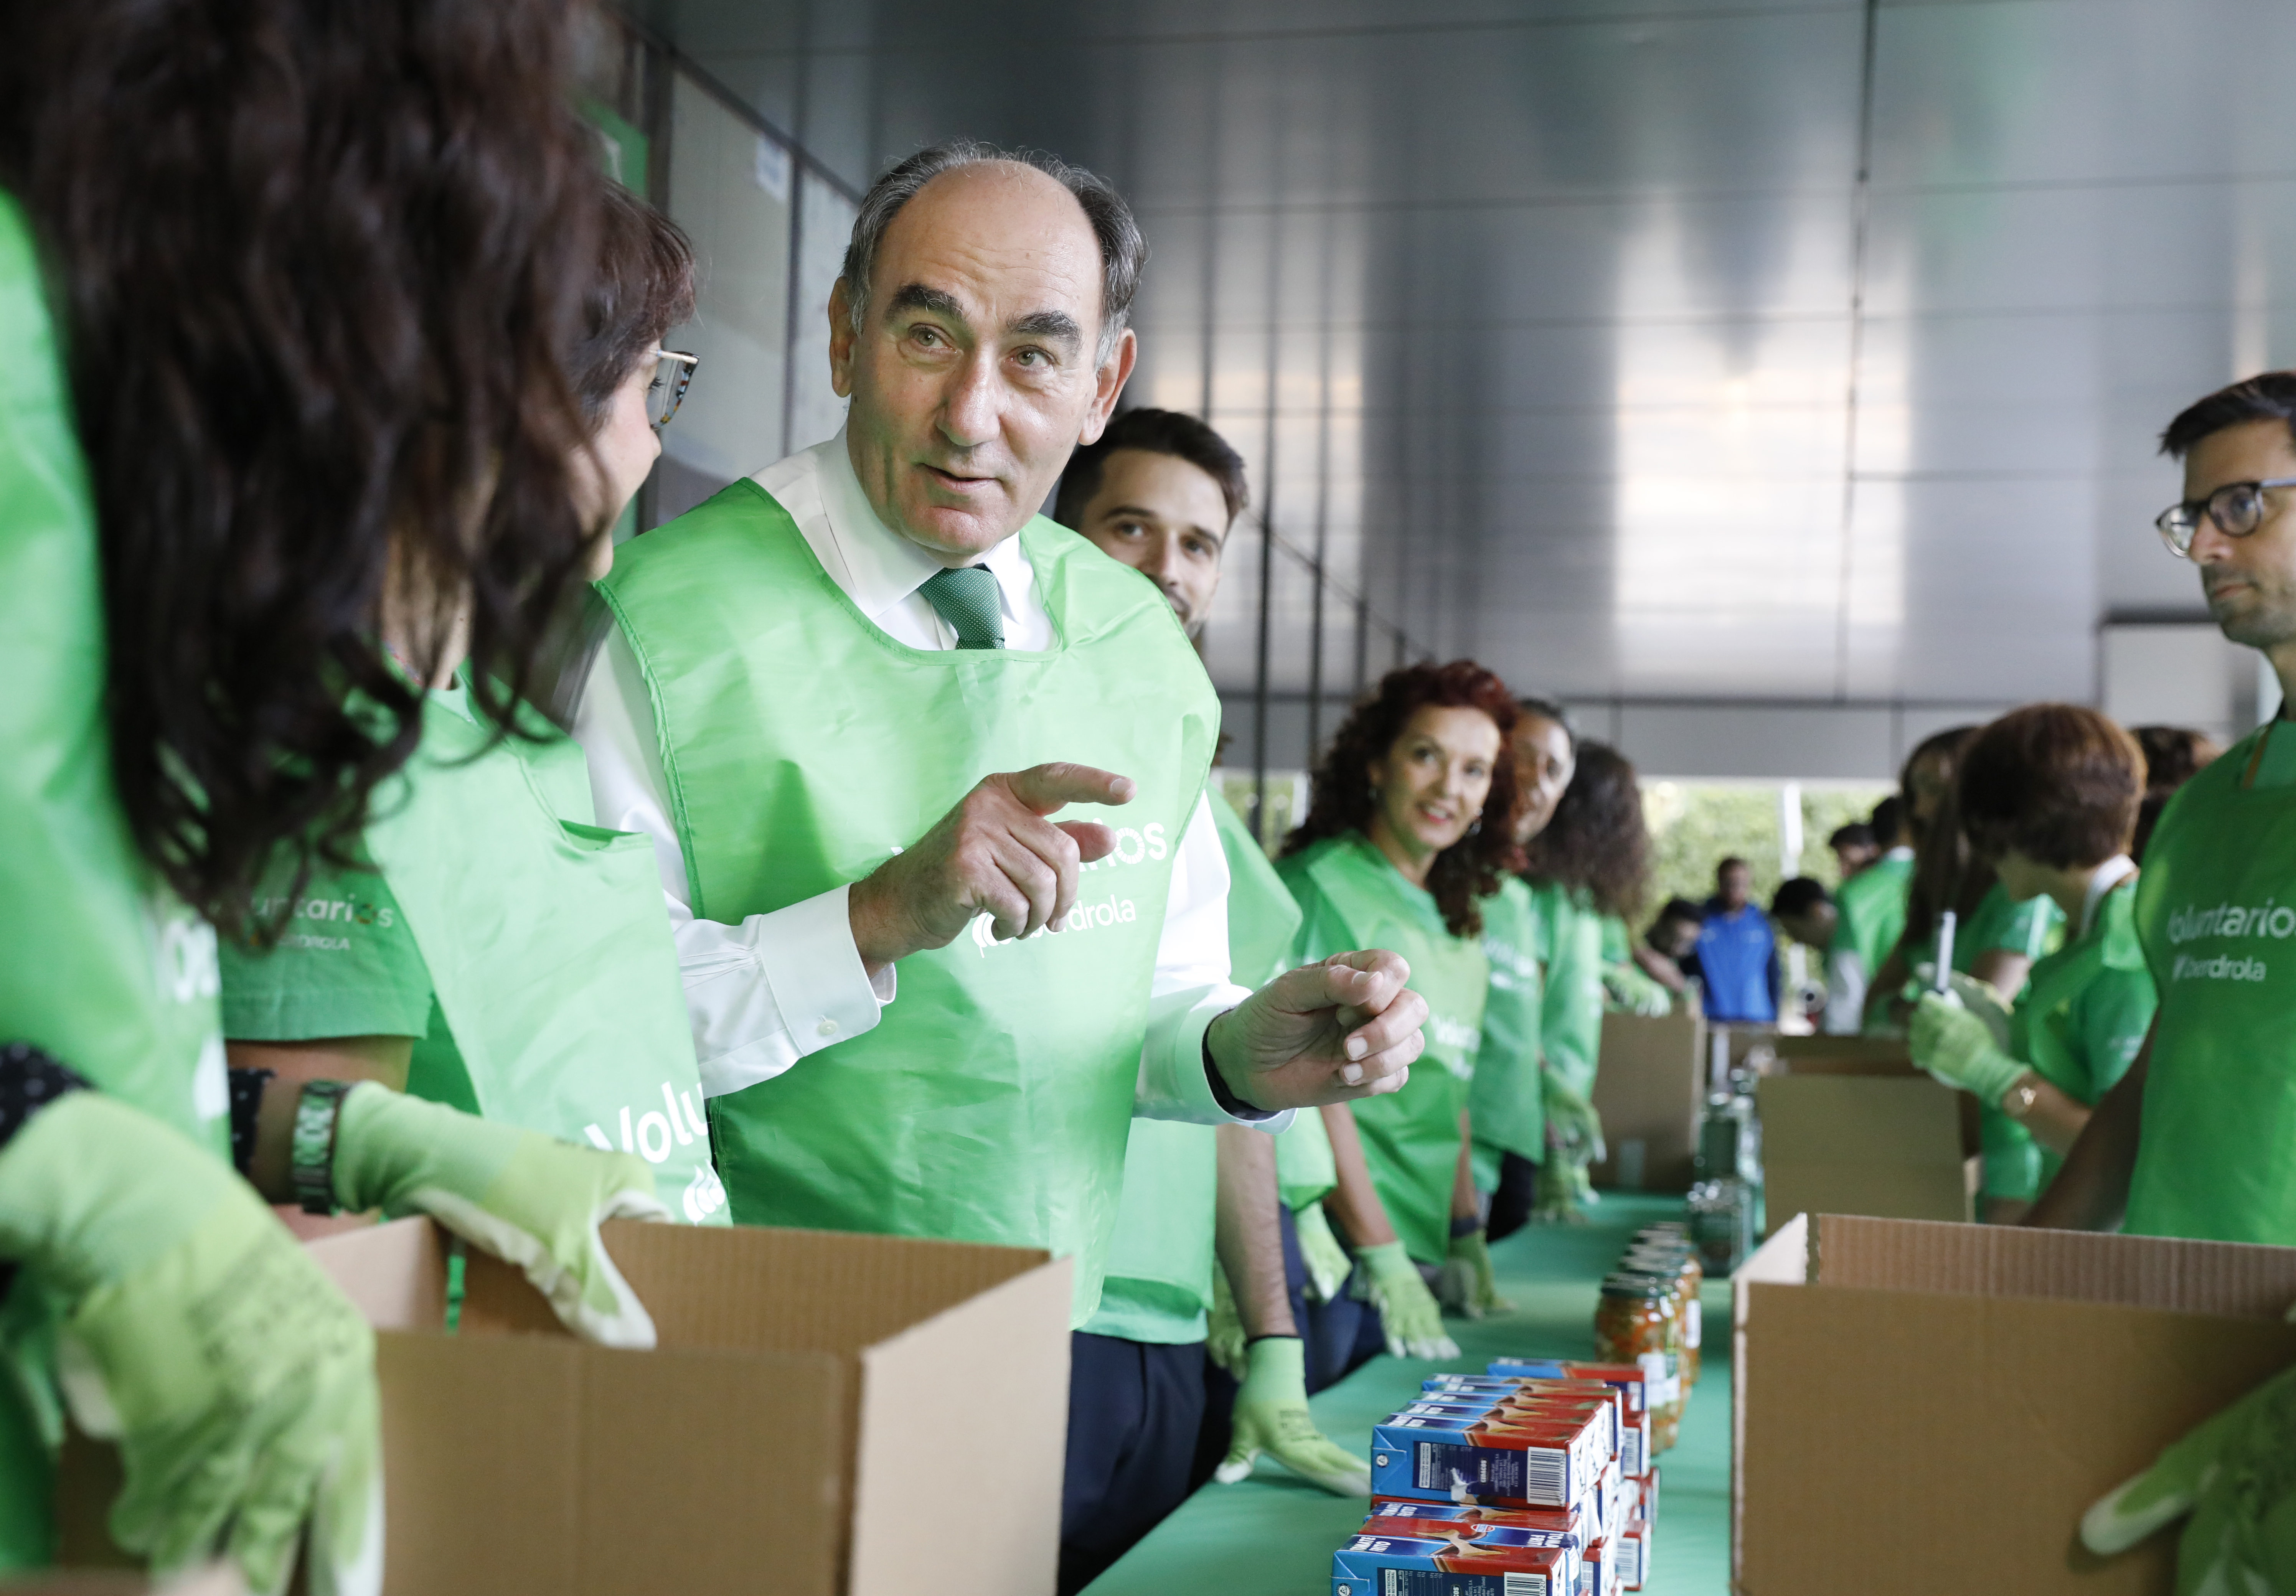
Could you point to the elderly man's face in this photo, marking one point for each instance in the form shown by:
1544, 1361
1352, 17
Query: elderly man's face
973, 376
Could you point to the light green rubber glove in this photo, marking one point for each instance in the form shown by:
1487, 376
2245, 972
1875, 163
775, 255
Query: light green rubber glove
1632, 991
525, 1197
1465, 1285
1271, 1416
1958, 1048
2232, 1474
238, 1382
1326, 1260
1223, 1336
1387, 1279
1572, 1124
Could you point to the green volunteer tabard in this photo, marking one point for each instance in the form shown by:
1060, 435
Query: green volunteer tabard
99, 965
558, 1005
1350, 896
2084, 1014
801, 747
1504, 1108
2215, 910
1160, 1261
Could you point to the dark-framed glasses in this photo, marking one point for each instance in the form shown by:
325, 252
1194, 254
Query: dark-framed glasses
673, 373
2236, 508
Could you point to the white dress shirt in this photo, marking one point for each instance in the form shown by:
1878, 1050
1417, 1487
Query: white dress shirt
766, 993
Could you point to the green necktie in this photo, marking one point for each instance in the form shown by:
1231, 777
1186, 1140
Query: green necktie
967, 598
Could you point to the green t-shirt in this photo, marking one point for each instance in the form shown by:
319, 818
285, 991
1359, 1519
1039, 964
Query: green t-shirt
347, 965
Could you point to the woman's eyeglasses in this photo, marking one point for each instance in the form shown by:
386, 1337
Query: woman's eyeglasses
673, 373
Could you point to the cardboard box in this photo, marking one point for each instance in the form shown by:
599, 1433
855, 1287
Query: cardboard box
834, 1414
1882, 1055
1889, 1144
1905, 1387
1651, 1090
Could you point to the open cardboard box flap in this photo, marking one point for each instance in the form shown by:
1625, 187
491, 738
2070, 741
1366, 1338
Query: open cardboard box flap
1914, 1398
826, 1412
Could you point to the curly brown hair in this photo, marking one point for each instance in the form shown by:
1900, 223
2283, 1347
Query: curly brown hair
1470, 869
318, 266
1597, 843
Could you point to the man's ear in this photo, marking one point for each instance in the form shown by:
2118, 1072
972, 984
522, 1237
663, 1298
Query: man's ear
1108, 387
842, 340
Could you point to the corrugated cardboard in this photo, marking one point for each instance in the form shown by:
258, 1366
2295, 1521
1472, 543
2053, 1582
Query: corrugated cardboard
1650, 1090
825, 1413
1866, 1140
1907, 1393
1841, 1054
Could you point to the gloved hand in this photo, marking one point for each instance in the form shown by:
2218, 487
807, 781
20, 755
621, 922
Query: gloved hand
1465, 1285
518, 1194
1223, 1336
1955, 1046
1563, 1193
1630, 990
1327, 1261
237, 1380
1387, 1279
2231, 1473
1271, 1416
1964, 992
1573, 1128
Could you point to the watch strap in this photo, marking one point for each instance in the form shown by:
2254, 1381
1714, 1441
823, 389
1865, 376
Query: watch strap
311, 1162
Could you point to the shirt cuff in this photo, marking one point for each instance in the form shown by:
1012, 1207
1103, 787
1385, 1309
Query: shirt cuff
815, 992
1176, 1076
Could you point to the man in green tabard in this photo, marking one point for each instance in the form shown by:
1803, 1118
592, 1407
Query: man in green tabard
847, 696
2194, 1140
1158, 491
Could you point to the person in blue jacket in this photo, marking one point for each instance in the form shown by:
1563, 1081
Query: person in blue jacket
1737, 951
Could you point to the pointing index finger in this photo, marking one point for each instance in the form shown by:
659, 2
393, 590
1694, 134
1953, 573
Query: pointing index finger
1047, 788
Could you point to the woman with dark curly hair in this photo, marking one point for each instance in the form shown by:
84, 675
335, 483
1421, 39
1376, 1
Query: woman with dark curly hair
577, 1026
1592, 863
1410, 827
286, 290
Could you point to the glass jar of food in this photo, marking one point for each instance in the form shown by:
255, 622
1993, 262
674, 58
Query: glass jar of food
1637, 1322
1682, 1262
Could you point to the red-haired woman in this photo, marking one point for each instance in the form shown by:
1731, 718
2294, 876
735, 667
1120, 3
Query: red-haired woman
1411, 826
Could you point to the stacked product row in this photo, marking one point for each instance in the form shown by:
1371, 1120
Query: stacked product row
1534, 1478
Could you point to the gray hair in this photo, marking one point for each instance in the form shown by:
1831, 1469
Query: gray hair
1122, 250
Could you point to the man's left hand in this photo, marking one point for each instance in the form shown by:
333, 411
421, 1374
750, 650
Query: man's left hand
1325, 1033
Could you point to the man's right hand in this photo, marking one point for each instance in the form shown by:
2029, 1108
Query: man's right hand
995, 854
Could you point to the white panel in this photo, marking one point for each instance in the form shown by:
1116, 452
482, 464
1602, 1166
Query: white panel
2179, 676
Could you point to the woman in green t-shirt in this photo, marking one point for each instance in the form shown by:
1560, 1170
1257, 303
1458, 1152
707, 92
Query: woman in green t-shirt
1411, 827
2048, 796
1592, 862
396, 971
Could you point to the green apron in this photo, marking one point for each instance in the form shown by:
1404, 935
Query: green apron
550, 952
99, 965
1351, 897
2033, 927
1870, 913
2216, 909
1570, 1019
1503, 1103
1160, 1261
2085, 1013
801, 747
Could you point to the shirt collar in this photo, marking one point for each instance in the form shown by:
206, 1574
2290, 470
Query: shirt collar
882, 567
2109, 875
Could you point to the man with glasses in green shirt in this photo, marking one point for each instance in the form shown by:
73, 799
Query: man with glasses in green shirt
2193, 1140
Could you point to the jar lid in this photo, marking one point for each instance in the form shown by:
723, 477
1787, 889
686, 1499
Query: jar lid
1646, 1287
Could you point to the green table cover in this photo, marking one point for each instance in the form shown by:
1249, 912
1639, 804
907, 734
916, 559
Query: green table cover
1271, 1535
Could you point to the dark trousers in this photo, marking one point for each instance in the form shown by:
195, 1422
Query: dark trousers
1136, 1409
1339, 1337
1511, 1204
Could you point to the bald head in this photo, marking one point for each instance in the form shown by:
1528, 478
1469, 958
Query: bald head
971, 344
